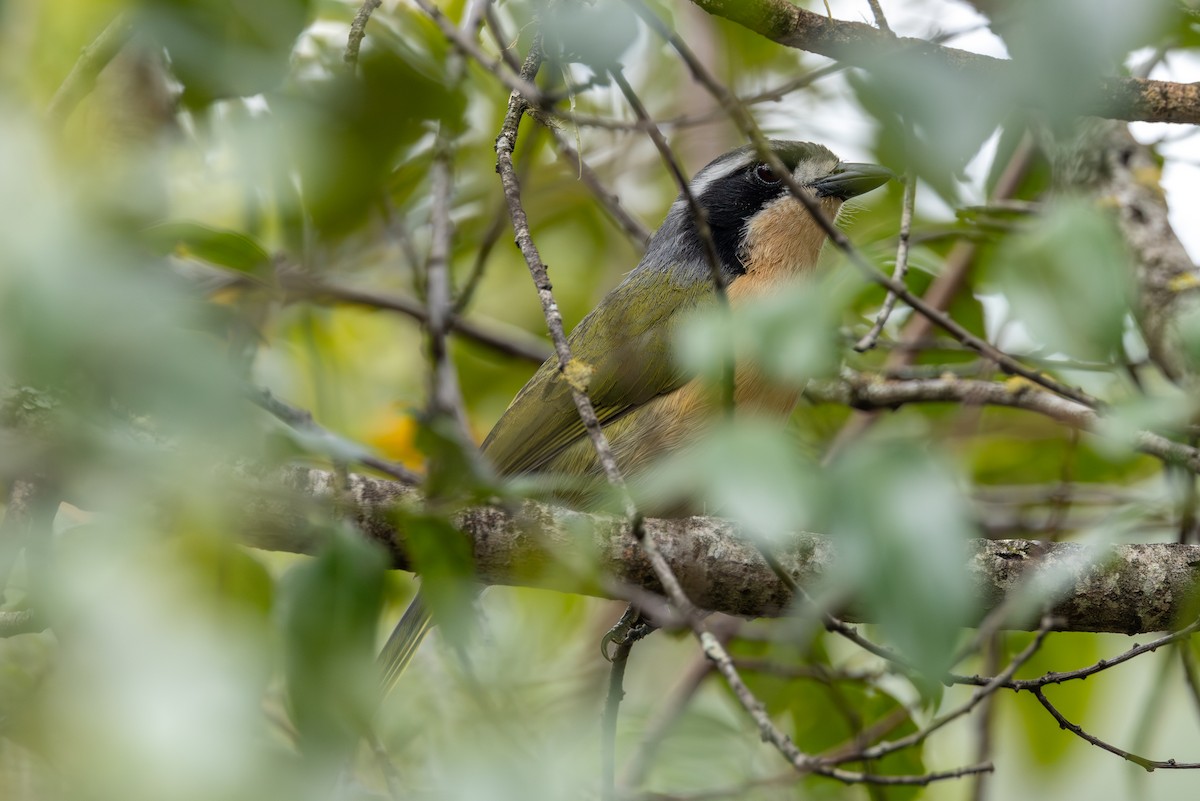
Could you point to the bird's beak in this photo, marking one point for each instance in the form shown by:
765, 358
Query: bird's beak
850, 180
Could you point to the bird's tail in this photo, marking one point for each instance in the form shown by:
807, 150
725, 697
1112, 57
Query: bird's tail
402, 644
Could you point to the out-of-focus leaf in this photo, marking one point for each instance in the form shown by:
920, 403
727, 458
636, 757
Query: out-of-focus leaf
1068, 280
746, 470
1171, 409
238, 578
442, 557
595, 34
791, 335
214, 245
345, 133
226, 48
330, 611
1059, 49
900, 525
455, 468
932, 119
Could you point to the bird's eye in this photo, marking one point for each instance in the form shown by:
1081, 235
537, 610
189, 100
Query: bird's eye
764, 173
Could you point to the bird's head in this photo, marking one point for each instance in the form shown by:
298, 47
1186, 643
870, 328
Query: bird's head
762, 234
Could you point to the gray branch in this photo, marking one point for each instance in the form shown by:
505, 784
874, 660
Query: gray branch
1119, 588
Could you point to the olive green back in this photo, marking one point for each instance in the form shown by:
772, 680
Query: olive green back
627, 342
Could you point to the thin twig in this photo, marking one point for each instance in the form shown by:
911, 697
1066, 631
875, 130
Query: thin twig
506, 46
337, 447
358, 29
880, 20
699, 219
655, 731
608, 720
815, 672
945, 287
1149, 765
515, 83
505, 143
92, 61
632, 228
445, 397
518, 343
985, 721
997, 682
862, 393
900, 270
1059, 677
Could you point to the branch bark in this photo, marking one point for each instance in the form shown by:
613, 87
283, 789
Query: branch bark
1121, 588
1101, 158
862, 45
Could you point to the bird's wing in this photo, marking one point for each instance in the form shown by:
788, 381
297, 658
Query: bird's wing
627, 342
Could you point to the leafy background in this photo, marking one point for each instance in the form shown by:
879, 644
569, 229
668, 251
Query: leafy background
140, 240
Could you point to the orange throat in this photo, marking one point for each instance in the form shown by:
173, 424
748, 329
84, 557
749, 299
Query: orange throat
783, 242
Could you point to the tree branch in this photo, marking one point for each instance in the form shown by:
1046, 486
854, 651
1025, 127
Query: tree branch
861, 45
1120, 588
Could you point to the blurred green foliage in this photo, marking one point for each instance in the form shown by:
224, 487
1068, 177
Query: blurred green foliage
138, 296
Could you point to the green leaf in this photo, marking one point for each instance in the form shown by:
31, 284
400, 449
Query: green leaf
226, 48
900, 525
331, 606
790, 335
218, 246
442, 557
1068, 280
744, 469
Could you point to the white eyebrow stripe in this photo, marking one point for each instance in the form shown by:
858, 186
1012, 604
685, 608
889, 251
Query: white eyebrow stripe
716, 172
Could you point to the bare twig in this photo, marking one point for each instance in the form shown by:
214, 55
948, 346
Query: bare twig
632, 228
469, 47
864, 393
806, 763
996, 683
92, 61
503, 43
1060, 677
516, 343
880, 20
337, 447
358, 29
445, 397
985, 720
1148, 764
699, 218
900, 270
915, 336
505, 142
612, 705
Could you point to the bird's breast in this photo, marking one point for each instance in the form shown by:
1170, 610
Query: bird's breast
781, 243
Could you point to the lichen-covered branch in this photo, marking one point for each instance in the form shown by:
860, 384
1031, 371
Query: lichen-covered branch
1103, 160
1121, 588
862, 45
